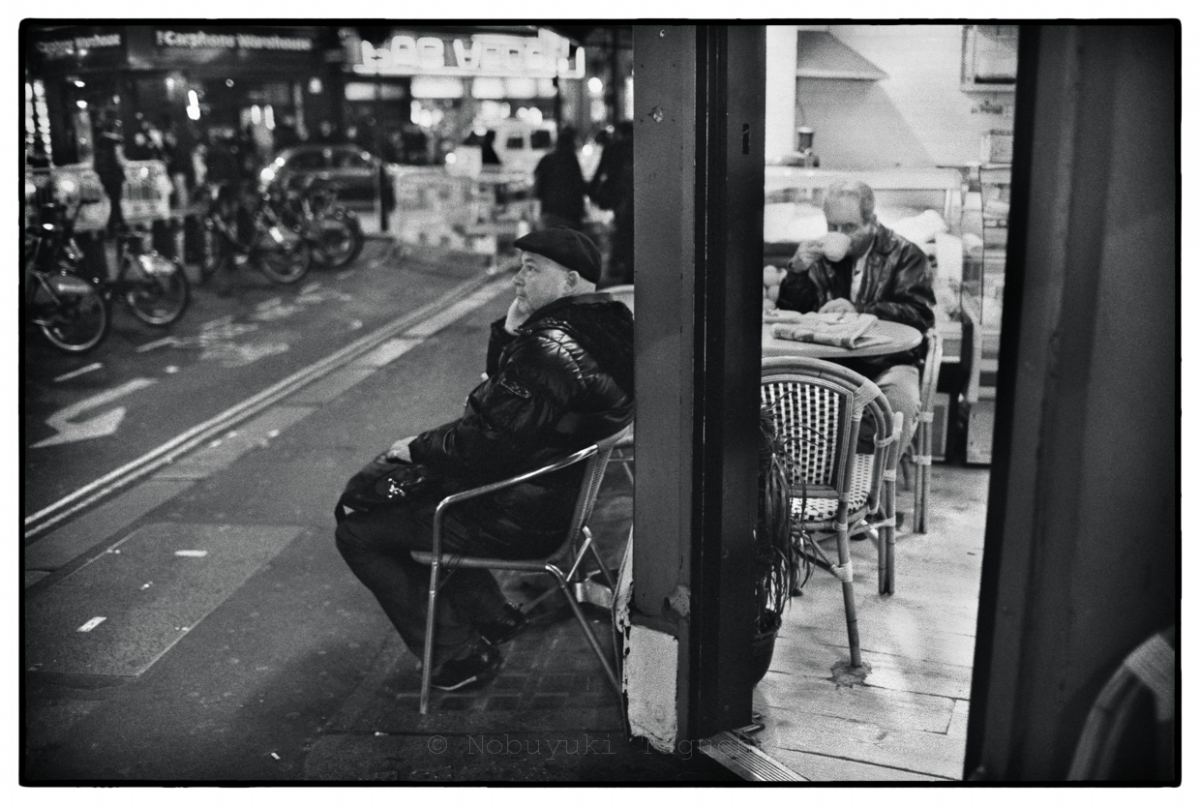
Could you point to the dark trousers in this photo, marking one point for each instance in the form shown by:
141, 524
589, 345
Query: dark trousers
377, 548
116, 218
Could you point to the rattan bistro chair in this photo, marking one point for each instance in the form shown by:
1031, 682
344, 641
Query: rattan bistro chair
562, 565
818, 409
922, 444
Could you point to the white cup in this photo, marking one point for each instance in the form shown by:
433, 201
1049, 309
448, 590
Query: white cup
835, 245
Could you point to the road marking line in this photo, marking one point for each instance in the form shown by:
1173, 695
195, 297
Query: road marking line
154, 345
39, 522
92, 624
220, 321
387, 352
191, 553
78, 372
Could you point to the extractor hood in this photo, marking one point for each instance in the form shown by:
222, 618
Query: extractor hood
820, 54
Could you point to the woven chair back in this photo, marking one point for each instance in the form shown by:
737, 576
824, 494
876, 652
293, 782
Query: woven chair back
811, 420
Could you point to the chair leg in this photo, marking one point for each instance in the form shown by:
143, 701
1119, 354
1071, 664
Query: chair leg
587, 631
887, 536
430, 622
608, 577
847, 577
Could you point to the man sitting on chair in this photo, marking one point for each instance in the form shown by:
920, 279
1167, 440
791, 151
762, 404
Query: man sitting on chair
879, 273
559, 378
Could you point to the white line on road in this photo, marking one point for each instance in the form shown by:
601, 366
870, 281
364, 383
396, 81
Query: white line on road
78, 372
154, 345
191, 553
92, 624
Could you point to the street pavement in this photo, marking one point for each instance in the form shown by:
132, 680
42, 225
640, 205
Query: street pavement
199, 624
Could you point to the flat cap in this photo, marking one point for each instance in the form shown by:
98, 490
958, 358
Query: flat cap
570, 249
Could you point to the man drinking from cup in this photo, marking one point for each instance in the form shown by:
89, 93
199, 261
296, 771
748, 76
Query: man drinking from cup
861, 266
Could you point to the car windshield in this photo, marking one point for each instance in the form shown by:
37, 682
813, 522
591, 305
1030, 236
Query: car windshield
307, 161
350, 159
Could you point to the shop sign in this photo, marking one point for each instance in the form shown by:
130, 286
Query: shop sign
479, 55
241, 41
158, 46
74, 48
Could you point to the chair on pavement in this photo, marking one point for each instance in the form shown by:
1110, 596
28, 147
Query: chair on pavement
922, 444
818, 409
563, 564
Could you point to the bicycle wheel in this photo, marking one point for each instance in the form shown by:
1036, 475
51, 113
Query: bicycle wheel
73, 314
337, 242
283, 256
158, 290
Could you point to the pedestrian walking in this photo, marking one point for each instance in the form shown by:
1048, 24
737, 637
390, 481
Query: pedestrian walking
108, 161
559, 186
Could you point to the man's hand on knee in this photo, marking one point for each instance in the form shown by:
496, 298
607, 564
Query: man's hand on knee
399, 451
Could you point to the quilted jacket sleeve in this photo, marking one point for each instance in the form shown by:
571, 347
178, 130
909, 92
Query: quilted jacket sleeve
510, 418
909, 300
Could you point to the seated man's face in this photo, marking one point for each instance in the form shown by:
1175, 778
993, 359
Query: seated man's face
540, 281
843, 214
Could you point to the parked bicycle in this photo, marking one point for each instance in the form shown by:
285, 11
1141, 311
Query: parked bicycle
155, 288
334, 232
70, 310
279, 251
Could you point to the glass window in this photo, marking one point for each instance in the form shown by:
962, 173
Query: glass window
541, 138
515, 141
350, 159
307, 161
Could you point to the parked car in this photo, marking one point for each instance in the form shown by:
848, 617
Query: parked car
354, 170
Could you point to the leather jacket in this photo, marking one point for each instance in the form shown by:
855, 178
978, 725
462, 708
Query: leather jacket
897, 286
562, 382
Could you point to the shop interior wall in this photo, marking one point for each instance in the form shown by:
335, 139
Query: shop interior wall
917, 117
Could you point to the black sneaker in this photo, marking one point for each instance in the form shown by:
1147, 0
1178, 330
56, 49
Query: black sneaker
505, 628
478, 668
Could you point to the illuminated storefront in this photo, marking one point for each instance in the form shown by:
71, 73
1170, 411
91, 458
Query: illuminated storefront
189, 78
446, 82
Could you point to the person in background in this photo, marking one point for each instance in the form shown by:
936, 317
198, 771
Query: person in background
559, 186
611, 188
286, 134
559, 378
108, 162
326, 133
880, 273
488, 149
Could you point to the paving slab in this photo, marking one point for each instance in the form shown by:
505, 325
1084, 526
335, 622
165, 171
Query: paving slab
83, 534
120, 613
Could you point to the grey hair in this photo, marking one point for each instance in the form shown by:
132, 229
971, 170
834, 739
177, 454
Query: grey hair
853, 189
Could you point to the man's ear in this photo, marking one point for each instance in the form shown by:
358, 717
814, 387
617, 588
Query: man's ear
572, 280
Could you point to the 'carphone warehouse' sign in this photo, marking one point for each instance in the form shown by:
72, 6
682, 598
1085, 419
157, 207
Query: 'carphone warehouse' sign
242, 41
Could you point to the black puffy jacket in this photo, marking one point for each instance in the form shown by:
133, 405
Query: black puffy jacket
564, 381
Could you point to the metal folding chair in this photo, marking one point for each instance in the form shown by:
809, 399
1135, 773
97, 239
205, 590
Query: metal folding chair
563, 564
818, 409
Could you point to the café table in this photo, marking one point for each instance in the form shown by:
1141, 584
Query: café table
898, 339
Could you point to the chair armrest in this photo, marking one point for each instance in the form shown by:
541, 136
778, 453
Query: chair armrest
457, 498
